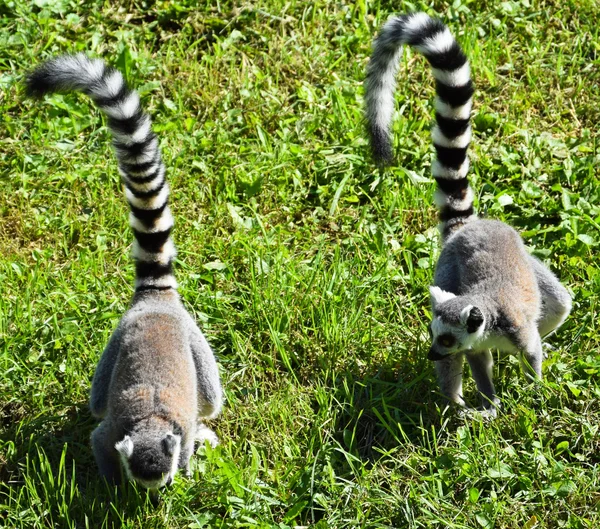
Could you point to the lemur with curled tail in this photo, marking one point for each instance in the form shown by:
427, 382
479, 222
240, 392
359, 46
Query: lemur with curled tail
488, 292
157, 377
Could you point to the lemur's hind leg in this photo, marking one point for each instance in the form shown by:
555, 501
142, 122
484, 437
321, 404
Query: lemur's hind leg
481, 364
556, 301
532, 356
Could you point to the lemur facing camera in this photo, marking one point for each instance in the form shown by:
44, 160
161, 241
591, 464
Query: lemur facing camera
488, 292
157, 376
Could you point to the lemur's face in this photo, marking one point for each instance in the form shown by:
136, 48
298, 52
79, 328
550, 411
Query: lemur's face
151, 461
447, 339
456, 326
442, 343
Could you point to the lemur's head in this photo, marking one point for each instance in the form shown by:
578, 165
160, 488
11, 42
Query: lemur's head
150, 453
457, 325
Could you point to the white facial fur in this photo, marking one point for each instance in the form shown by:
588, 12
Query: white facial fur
175, 460
125, 447
438, 327
464, 340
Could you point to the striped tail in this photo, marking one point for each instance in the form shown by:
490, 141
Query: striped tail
454, 89
138, 155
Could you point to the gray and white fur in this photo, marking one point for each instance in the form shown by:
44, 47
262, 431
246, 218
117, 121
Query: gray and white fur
488, 292
157, 377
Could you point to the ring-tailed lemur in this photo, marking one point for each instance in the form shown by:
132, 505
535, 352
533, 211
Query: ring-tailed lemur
157, 376
488, 291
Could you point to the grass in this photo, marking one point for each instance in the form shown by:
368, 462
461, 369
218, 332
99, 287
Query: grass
307, 268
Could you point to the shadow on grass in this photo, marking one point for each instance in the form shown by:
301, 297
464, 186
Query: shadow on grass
49, 466
381, 412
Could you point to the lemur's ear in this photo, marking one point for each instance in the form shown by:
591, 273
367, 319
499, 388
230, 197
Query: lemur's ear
472, 318
438, 296
170, 443
125, 446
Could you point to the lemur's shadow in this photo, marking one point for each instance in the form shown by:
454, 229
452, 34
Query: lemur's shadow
401, 406
53, 467
387, 409
398, 404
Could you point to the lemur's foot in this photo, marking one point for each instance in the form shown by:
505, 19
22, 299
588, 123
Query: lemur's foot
487, 414
204, 433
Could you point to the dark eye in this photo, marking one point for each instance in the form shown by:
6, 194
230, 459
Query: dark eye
446, 340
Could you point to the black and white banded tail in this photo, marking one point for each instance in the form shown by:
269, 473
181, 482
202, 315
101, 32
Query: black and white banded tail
138, 155
454, 89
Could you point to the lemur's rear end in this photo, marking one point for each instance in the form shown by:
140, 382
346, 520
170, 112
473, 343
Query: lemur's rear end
157, 376
488, 291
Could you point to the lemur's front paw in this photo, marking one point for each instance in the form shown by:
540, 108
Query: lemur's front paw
204, 433
488, 414
547, 348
